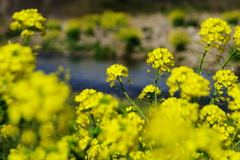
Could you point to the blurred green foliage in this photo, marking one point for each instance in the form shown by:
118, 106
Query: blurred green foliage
53, 24
73, 30
232, 17
89, 22
131, 36
52, 42
103, 52
114, 20
192, 22
179, 39
177, 18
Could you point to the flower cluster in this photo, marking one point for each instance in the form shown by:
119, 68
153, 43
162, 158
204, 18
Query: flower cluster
26, 32
29, 20
215, 32
188, 82
161, 58
116, 71
236, 36
138, 155
95, 109
136, 120
40, 102
175, 136
9, 130
101, 106
149, 91
212, 116
86, 93
16, 60
234, 92
224, 79
235, 116
180, 109
58, 150
119, 135
101, 131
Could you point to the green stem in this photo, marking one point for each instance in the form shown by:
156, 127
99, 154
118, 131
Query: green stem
234, 136
127, 96
214, 96
26, 39
229, 57
156, 85
201, 62
236, 145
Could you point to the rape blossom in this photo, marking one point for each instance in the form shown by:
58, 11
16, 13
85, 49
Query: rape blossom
188, 82
162, 58
29, 21
116, 71
148, 90
215, 32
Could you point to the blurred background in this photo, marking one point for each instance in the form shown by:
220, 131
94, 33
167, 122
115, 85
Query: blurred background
66, 8
87, 36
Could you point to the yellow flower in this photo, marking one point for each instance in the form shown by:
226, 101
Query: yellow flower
26, 32
175, 134
45, 97
224, 79
211, 114
140, 155
214, 117
9, 130
234, 92
136, 120
215, 32
47, 130
15, 25
28, 137
181, 109
95, 105
149, 89
18, 154
190, 83
16, 61
162, 58
116, 71
28, 19
112, 84
119, 135
86, 93
236, 36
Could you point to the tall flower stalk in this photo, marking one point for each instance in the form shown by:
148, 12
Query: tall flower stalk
214, 33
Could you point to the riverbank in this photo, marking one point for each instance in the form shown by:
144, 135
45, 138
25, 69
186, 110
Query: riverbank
155, 28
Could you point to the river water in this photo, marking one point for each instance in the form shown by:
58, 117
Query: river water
91, 73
